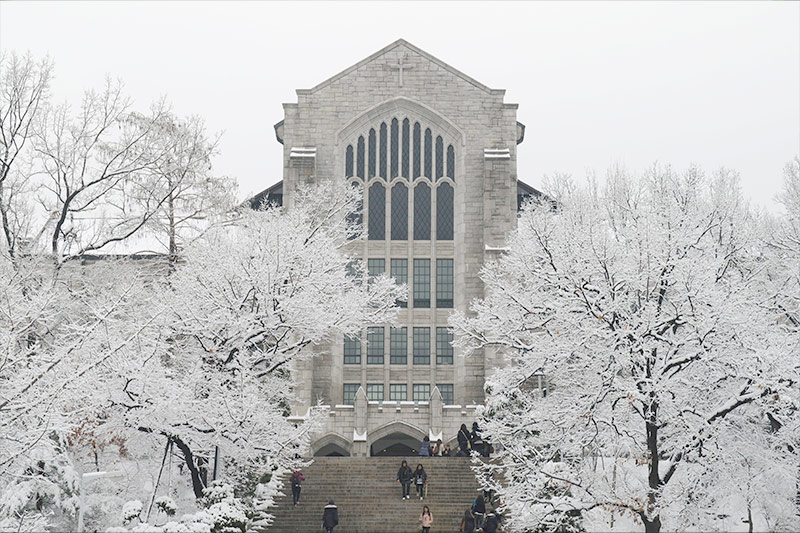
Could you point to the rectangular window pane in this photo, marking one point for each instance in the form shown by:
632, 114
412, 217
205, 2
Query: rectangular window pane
374, 346
422, 346
350, 390
444, 283
422, 393
376, 267
422, 282
375, 391
398, 346
447, 392
400, 274
398, 392
352, 349
444, 350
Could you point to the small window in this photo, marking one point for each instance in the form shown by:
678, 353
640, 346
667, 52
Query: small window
349, 396
377, 212
428, 154
398, 346
399, 212
451, 162
422, 346
400, 274
444, 350
422, 283
444, 283
375, 392
406, 152
352, 349
398, 392
417, 151
393, 148
372, 154
444, 212
446, 389
382, 162
439, 157
422, 393
375, 346
360, 158
422, 212
348, 161
376, 267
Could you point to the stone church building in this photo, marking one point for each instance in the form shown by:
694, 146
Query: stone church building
435, 152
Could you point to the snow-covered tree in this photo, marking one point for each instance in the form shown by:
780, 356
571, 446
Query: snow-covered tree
644, 308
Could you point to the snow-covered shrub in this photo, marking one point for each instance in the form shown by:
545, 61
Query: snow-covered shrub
166, 505
131, 510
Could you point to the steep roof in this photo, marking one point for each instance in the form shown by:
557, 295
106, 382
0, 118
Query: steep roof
421, 52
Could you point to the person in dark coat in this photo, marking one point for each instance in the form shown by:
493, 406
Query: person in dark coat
404, 475
425, 447
330, 517
296, 481
447, 451
463, 439
420, 480
479, 511
468, 522
492, 523
475, 438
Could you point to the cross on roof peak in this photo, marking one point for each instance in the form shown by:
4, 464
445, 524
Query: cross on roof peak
400, 66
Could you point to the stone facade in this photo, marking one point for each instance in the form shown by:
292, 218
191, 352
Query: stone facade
479, 133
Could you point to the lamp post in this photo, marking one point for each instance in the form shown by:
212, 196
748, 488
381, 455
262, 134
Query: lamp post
91, 476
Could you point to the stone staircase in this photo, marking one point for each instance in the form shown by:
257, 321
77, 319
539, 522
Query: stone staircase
369, 498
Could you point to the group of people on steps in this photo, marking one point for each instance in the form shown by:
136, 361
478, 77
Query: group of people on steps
475, 519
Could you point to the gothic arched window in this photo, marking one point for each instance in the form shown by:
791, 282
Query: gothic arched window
348, 162
422, 212
428, 154
360, 158
372, 154
405, 154
399, 212
439, 157
382, 164
377, 212
417, 150
451, 162
444, 212
393, 149
355, 217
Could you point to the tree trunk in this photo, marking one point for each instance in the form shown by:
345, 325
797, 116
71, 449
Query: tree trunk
197, 481
173, 246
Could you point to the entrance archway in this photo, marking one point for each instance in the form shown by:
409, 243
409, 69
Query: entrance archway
395, 439
331, 445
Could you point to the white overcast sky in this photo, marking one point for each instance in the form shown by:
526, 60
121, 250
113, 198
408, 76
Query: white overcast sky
598, 83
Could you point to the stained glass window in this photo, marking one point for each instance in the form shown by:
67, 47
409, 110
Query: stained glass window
398, 346
422, 393
352, 349
444, 350
349, 393
399, 271
405, 153
375, 392
399, 212
422, 346
372, 154
382, 163
377, 212
446, 389
451, 162
393, 146
360, 158
417, 150
348, 161
444, 212
422, 212
375, 346
444, 283
398, 392
439, 157
428, 154
422, 283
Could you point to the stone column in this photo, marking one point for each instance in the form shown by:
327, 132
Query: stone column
360, 446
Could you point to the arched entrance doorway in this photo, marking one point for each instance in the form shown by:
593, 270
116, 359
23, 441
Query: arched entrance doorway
395, 439
331, 445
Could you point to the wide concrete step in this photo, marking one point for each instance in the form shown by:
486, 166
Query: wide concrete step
369, 497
